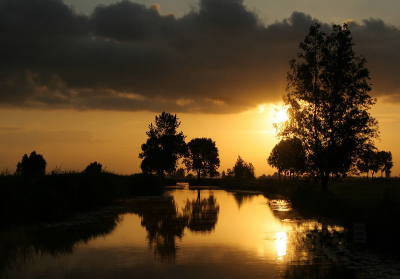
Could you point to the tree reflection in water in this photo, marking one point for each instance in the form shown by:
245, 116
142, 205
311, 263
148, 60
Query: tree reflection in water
202, 214
165, 223
18, 246
242, 197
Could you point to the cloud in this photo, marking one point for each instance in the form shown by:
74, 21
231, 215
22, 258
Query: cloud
380, 43
219, 58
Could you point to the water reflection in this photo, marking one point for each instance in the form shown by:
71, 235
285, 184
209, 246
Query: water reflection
19, 246
165, 222
193, 235
281, 244
243, 197
202, 214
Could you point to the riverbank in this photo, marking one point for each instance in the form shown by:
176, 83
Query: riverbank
54, 197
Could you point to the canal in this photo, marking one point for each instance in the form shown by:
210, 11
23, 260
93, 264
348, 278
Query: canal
207, 233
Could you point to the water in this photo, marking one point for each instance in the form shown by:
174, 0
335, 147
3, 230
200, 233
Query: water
186, 234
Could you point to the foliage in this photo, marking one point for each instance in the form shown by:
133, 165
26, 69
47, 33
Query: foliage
178, 174
94, 168
328, 99
242, 169
35, 164
288, 156
164, 145
202, 157
373, 161
386, 162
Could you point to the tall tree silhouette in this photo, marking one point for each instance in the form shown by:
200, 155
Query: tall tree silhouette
328, 99
164, 146
202, 157
35, 164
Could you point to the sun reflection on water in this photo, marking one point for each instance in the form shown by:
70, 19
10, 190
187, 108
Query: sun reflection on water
281, 244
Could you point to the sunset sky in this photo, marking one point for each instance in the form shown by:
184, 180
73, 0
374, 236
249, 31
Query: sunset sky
81, 80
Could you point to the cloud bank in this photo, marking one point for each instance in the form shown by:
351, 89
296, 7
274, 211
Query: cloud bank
219, 58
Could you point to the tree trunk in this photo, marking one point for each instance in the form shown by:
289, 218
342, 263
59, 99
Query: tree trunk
198, 175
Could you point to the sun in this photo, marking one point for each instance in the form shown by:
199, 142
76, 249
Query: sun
281, 114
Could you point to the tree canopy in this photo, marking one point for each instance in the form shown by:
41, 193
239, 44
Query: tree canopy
328, 99
372, 160
164, 146
288, 156
202, 157
35, 164
242, 169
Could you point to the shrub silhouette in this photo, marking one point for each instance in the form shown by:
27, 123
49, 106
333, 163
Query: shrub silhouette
93, 168
35, 164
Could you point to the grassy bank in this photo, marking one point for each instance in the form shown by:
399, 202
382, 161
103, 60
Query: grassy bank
55, 196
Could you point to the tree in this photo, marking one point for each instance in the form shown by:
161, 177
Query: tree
202, 157
288, 156
94, 168
35, 164
366, 161
385, 162
178, 174
242, 169
164, 146
328, 99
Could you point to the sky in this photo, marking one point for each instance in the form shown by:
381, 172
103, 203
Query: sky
80, 81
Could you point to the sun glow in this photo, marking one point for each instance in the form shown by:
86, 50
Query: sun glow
281, 114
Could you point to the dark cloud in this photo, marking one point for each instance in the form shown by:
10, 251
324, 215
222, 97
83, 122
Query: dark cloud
380, 44
219, 58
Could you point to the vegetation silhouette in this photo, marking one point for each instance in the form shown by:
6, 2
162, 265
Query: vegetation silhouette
35, 164
94, 168
288, 156
373, 161
55, 196
178, 174
164, 146
328, 101
202, 157
242, 170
